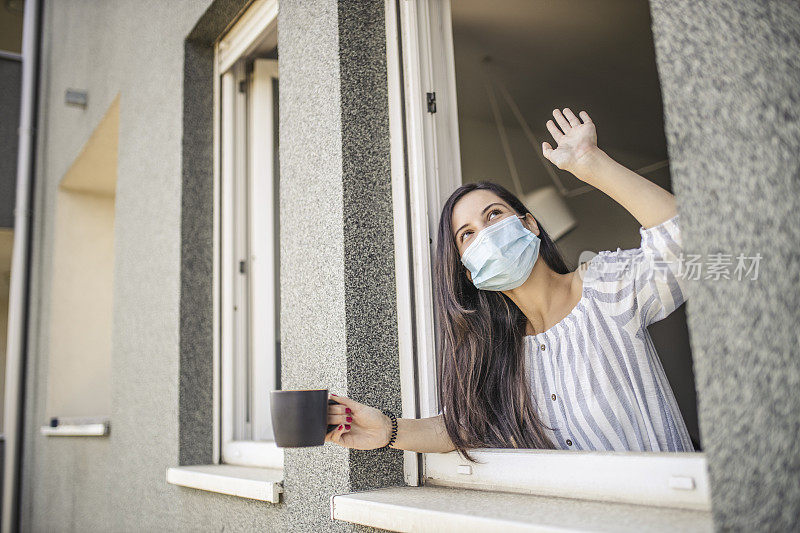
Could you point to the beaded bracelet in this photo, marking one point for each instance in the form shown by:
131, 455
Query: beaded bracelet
394, 428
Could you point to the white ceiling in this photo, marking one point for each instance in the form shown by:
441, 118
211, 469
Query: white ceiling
595, 55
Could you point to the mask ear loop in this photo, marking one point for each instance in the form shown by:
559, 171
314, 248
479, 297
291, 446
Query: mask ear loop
524, 217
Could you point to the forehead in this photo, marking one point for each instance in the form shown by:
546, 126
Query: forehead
468, 208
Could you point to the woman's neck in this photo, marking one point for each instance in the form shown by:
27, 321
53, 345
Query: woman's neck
546, 297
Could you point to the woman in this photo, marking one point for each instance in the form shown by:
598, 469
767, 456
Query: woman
531, 354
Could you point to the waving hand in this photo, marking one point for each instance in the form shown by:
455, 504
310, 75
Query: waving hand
576, 141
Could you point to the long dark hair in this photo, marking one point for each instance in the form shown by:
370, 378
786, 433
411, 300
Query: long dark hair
485, 397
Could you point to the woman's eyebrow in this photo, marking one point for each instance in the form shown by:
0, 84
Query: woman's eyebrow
482, 212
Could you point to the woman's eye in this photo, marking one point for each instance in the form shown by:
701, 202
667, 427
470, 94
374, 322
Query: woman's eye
492, 212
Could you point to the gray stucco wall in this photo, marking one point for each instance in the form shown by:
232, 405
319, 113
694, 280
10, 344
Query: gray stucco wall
731, 100
197, 225
338, 308
118, 483
730, 73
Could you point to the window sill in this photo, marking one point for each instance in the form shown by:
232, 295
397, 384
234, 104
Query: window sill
264, 484
659, 479
75, 430
452, 509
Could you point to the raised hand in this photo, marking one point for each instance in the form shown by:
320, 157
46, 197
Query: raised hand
576, 141
359, 426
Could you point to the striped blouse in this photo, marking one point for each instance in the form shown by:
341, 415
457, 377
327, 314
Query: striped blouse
595, 375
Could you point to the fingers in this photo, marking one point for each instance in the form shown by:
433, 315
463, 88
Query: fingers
338, 410
566, 121
339, 419
546, 149
565, 127
335, 436
554, 131
573, 120
344, 400
338, 432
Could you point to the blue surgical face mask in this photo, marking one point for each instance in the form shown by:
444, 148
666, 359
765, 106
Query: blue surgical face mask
501, 256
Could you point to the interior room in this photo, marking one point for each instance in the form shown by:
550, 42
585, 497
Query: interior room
517, 62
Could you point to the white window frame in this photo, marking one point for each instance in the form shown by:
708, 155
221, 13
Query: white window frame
236, 165
433, 172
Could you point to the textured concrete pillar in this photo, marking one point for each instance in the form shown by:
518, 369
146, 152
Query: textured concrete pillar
338, 296
195, 392
730, 73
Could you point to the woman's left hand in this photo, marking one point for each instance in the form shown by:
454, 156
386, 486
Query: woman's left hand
576, 142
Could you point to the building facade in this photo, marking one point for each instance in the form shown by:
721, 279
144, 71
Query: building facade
233, 196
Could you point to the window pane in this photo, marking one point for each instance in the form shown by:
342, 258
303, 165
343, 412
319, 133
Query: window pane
263, 202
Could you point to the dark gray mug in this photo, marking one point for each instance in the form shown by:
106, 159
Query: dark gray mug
300, 417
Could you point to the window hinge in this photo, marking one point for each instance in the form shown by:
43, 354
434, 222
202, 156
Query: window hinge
431, 98
242, 267
243, 86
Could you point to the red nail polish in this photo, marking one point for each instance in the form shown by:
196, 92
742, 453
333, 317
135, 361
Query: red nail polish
347, 426
347, 410
349, 418
340, 426
332, 394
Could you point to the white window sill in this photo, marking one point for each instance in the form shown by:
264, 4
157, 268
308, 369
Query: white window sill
465, 510
265, 484
661, 479
75, 430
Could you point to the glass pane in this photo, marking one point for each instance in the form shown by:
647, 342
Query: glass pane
264, 243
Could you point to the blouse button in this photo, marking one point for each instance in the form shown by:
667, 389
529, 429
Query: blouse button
553, 396
542, 347
569, 442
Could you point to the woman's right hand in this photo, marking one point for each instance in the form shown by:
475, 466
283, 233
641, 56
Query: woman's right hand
576, 142
359, 426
